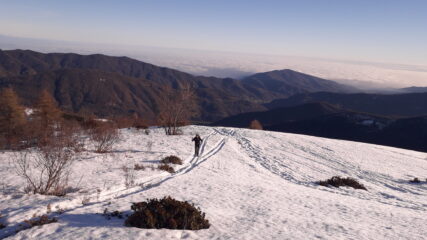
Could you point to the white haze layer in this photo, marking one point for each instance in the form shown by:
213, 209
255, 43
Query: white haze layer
238, 65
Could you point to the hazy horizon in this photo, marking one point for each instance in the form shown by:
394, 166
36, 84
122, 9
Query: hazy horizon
365, 75
370, 43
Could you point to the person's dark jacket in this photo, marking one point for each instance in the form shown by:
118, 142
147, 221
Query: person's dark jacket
197, 140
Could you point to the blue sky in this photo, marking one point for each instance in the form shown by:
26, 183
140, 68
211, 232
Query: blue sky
374, 30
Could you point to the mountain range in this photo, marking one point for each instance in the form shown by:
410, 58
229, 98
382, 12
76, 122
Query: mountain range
282, 100
330, 121
403, 105
105, 85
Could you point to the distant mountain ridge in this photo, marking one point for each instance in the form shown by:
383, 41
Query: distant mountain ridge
413, 89
327, 120
291, 82
403, 105
107, 86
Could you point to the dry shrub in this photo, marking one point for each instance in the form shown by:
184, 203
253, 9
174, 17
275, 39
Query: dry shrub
129, 176
47, 166
1, 224
45, 170
166, 167
90, 123
167, 213
71, 133
39, 221
114, 214
255, 124
339, 181
104, 135
139, 167
415, 180
141, 124
133, 121
171, 159
149, 145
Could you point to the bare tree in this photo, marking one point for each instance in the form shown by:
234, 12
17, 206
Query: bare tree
104, 135
47, 167
176, 109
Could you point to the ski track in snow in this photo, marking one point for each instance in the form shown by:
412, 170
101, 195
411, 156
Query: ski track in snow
238, 157
155, 181
278, 167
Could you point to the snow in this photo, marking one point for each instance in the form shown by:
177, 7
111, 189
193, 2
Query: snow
29, 111
251, 184
368, 122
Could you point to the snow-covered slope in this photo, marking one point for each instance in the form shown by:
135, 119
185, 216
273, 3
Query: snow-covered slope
251, 185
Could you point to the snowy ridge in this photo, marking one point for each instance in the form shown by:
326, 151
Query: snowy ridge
251, 184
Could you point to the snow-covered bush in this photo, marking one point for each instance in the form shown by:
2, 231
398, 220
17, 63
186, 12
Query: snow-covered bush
167, 213
171, 159
339, 181
166, 167
104, 135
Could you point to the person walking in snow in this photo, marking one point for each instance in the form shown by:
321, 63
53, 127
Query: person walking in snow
197, 140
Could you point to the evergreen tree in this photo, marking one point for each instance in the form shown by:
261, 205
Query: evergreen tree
12, 117
47, 111
46, 120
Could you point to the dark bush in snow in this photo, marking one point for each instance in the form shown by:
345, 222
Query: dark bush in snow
42, 220
339, 181
114, 214
139, 167
167, 168
171, 159
415, 180
167, 213
1, 224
